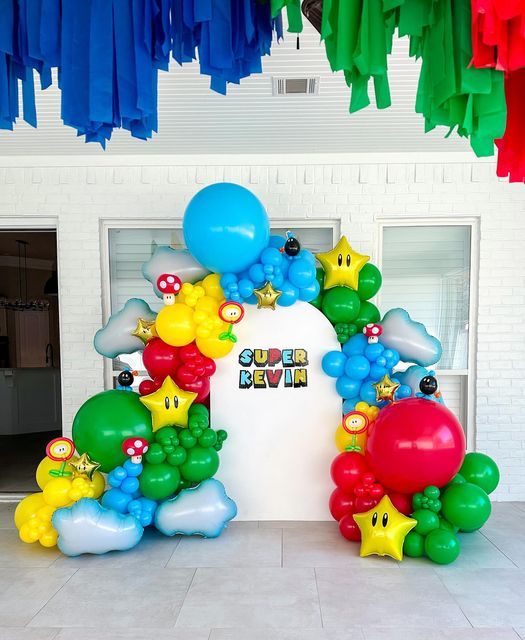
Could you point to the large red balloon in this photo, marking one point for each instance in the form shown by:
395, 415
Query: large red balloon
347, 469
349, 529
340, 504
414, 443
160, 359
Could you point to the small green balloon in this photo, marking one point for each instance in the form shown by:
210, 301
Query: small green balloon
368, 313
447, 526
481, 470
318, 302
340, 304
201, 463
369, 281
414, 545
155, 454
103, 423
427, 521
466, 506
442, 546
159, 481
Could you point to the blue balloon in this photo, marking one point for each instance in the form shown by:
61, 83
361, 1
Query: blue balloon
117, 500
245, 288
381, 361
356, 345
311, 292
301, 273
404, 391
304, 254
377, 372
271, 256
347, 387
225, 227
276, 241
333, 364
367, 393
374, 351
277, 283
256, 273
290, 294
357, 367
349, 404
129, 485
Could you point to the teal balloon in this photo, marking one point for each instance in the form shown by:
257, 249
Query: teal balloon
201, 463
481, 470
369, 281
159, 481
442, 546
103, 423
414, 545
466, 506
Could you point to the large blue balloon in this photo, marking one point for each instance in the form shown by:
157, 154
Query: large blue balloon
226, 227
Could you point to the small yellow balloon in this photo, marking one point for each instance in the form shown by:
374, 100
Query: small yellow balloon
49, 538
212, 347
212, 286
28, 507
369, 410
175, 325
28, 534
343, 439
98, 483
207, 305
56, 492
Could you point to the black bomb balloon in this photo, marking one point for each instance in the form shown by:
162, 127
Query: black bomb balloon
292, 246
428, 385
125, 378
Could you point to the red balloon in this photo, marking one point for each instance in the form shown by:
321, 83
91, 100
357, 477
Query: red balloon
347, 469
401, 501
148, 386
414, 443
365, 503
160, 359
340, 504
200, 386
349, 528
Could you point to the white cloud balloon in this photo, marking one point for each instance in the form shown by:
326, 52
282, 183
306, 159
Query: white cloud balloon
409, 338
115, 337
176, 261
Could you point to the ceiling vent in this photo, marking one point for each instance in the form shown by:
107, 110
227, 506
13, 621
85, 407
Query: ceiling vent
295, 86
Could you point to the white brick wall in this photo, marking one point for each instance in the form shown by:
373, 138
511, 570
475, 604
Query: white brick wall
358, 191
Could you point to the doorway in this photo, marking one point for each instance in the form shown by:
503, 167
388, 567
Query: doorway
29, 354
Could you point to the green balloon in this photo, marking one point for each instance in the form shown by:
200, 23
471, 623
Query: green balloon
481, 470
442, 546
427, 521
159, 481
201, 463
318, 302
466, 506
414, 545
368, 313
447, 526
340, 304
369, 281
103, 423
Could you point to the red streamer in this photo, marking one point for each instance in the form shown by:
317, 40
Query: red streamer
511, 156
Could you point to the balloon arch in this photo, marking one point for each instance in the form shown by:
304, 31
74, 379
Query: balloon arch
403, 481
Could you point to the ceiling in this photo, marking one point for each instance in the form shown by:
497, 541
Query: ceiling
41, 244
195, 120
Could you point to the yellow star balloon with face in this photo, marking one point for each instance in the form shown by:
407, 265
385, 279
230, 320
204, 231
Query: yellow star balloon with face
84, 466
385, 389
145, 330
383, 530
169, 405
267, 296
342, 265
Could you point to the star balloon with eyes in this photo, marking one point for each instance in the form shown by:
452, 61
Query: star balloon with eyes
267, 296
168, 405
385, 389
342, 265
145, 330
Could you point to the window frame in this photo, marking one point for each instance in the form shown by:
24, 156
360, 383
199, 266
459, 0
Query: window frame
107, 224
468, 375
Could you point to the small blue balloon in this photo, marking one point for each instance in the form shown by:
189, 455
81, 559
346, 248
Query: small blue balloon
116, 476
381, 361
357, 367
347, 387
227, 279
277, 281
392, 357
367, 393
349, 404
257, 275
404, 391
117, 500
374, 351
301, 273
333, 364
290, 294
129, 485
271, 256
310, 293
377, 372
304, 254
225, 227
245, 288
276, 241
133, 469
356, 345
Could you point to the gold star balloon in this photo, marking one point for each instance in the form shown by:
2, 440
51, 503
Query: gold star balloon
84, 466
385, 389
267, 296
342, 265
383, 530
145, 330
168, 405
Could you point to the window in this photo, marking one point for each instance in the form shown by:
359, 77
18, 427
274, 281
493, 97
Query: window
128, 248
427, 270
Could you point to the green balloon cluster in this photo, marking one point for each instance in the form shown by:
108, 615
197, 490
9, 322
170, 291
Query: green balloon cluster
348, 310
103, 423
181, 457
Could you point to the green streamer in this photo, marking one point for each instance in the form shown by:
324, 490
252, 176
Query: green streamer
293, 12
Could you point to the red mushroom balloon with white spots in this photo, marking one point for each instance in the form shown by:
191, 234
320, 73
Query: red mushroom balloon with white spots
372, 331
135, 448
169, 285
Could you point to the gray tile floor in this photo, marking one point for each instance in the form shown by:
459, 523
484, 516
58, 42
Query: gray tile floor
265, 581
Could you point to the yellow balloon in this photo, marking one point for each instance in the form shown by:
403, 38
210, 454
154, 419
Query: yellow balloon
175, 325
49, 538
28, 533
369, 410
28, 507
56, 492
212, 347
99, 484
207, 305
344, 440
212, 286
